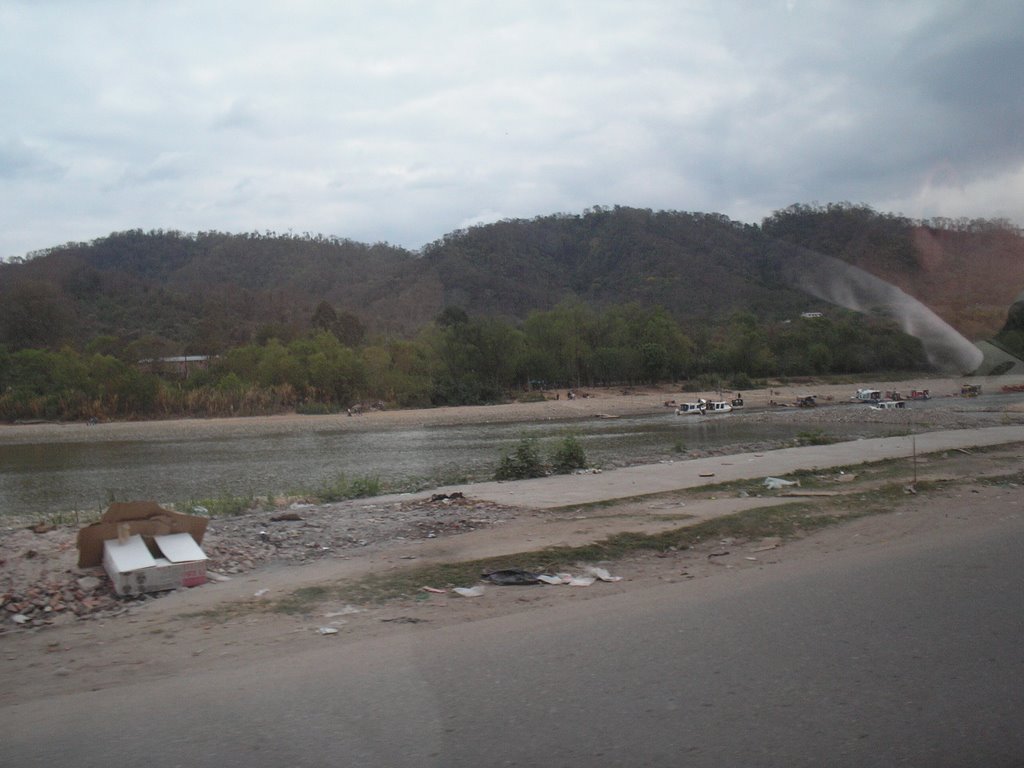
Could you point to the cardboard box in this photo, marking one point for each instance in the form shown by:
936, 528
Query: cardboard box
146, 518
133, 569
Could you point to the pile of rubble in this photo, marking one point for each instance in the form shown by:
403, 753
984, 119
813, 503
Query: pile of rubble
41, 583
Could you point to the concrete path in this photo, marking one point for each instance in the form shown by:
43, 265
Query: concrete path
567, 490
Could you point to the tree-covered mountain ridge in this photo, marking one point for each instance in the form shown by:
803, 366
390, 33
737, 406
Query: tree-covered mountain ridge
209, 291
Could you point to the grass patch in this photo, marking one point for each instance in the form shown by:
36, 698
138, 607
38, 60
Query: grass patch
815, 437
224, 505
301, 600
343, 488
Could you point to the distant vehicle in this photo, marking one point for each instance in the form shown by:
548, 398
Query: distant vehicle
703, 407
920, 394
807, 401
970, 390
690, 409
888, 405
718, 406
867, 395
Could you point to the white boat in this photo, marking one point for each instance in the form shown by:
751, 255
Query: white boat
867, 395
703, 407
691, 409
888, 405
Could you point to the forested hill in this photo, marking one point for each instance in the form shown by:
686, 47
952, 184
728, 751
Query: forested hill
168, 292
968, 271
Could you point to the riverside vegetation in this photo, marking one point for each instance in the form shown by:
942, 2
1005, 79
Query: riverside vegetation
455, 360
616, 296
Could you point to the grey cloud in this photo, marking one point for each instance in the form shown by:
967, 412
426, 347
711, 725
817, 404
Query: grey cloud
239, 116
19, 161
397, 122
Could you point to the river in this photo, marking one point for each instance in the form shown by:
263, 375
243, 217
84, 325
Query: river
57, 475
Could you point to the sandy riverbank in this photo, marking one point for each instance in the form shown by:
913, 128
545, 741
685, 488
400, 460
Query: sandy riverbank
590, 403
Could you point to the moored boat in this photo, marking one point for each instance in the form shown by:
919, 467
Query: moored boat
691, 409
888, 405
703, 407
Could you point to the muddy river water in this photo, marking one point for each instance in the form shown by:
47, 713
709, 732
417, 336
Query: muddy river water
40, 478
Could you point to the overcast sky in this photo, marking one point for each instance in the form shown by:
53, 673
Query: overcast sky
402, 121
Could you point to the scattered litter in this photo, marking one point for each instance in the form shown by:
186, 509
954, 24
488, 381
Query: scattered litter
602, 574
448, 496
261, 592
468, 591
707, 474
581, 581
346, 611
752, 558
548, 579
718, 553
328, 630
775, 483
19, 618
434, 590
511, 577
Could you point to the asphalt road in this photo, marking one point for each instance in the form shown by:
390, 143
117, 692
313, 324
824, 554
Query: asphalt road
906, 654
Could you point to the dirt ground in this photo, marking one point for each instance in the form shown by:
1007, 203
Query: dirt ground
133, 641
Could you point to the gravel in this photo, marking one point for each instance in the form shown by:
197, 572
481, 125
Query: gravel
41, 584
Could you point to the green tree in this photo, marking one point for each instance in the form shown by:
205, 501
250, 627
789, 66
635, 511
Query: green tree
561, 343
33, 314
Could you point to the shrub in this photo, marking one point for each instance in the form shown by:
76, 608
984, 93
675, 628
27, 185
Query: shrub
568, 456
522, 463
742, 381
